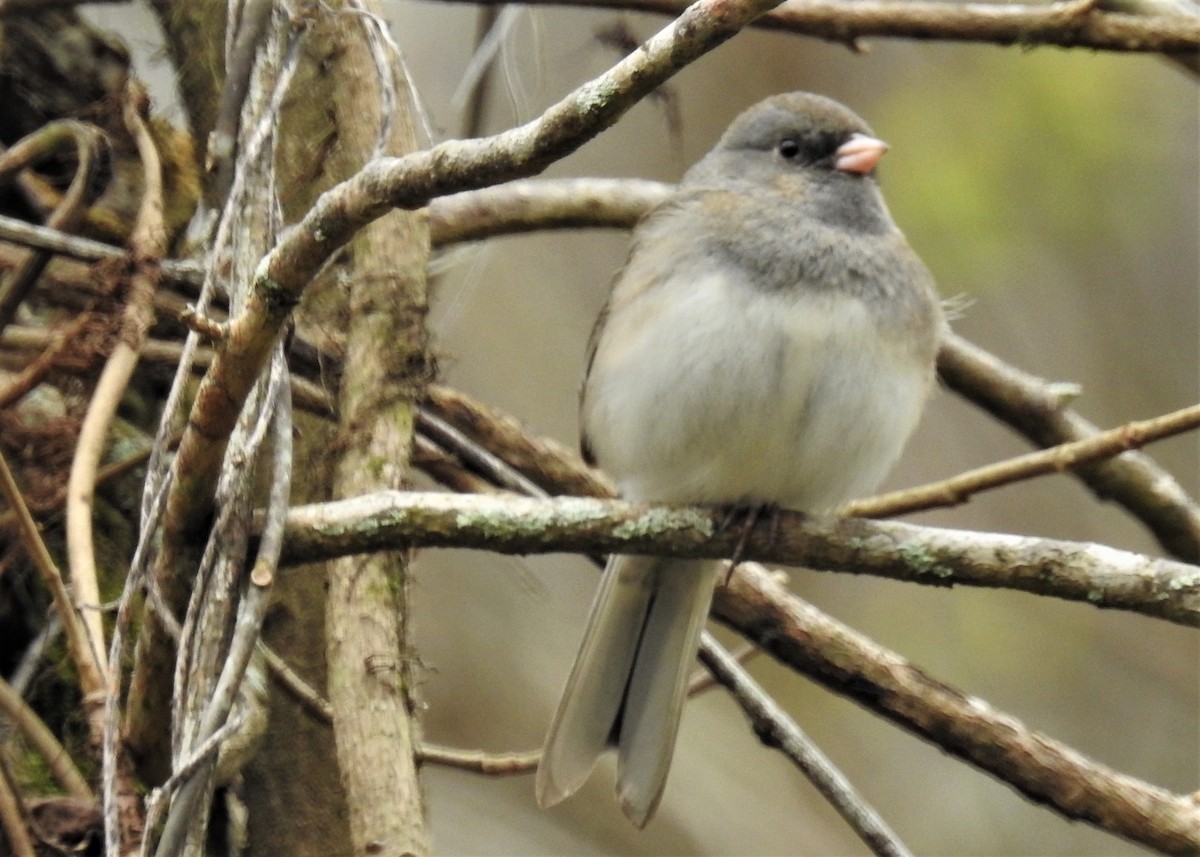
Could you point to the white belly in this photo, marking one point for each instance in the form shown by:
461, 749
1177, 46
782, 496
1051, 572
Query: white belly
719, 394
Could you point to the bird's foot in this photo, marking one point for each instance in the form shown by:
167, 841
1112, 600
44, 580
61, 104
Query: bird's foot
751, 514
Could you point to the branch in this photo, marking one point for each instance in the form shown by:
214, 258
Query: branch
88, 144
91, 679
57, 345
776, 729
531, 205
385, 370
1075, 571
829, 656
475, 761
30, 7
37, 733
1039, 411
1069, 24
545, 462
1042, 769
14, 816
89, 250
148, 243
479, 761
1057, 459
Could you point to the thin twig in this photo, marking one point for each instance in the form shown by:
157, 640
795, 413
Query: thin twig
542, 461
148, 243
90, 676
478, 457
1057, 459
703, 680
14, 817
479, 761
221, 154
443, 468
48, 508
27, 7
37, 369
480, 84
58, 760
290, 681
778, 731
88, 143
30, 662
203, 757
115, 760
1037, 410
88, 250
192, 779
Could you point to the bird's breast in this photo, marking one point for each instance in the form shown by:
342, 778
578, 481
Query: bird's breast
705, 390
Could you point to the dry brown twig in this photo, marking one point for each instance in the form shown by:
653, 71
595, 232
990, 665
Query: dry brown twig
1057, 459
62, 767
91, 678
148, 243
87, 143
14, 815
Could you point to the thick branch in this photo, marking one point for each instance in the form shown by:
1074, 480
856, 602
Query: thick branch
1102, 576
384, 372
1065, 24
1042, 769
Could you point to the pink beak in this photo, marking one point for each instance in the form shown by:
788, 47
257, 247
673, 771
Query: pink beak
859, 154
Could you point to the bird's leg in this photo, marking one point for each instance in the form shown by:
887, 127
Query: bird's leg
751, 514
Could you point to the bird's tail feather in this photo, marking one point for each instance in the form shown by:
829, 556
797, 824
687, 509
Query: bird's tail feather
633, 665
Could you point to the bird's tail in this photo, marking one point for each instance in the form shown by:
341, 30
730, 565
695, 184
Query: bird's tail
629, 680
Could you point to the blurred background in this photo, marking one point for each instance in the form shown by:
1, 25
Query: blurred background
1056, 194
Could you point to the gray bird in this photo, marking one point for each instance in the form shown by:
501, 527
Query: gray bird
770, 340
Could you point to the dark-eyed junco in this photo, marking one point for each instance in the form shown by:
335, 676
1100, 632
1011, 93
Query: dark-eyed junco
770, 340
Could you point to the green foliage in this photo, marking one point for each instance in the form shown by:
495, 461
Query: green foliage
1051, 156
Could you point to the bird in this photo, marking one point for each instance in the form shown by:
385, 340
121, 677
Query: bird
770, 341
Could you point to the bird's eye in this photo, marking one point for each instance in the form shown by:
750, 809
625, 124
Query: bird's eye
789, 148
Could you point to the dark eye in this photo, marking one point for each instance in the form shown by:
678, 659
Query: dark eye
789, 148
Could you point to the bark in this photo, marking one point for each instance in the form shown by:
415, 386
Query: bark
385, 370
